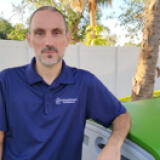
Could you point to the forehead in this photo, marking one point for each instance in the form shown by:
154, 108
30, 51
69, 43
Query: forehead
47, 20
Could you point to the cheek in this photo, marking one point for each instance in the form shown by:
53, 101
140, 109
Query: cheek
63, 44
37, 45
62, 47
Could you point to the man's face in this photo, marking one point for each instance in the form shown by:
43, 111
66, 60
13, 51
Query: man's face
48, 37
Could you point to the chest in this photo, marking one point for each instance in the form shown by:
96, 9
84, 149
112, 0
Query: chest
39, 105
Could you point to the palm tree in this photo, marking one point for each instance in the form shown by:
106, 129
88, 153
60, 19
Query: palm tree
143, 83
92, 8
53, 3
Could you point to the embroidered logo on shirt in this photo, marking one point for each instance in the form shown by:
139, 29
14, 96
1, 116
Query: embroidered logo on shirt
66, 100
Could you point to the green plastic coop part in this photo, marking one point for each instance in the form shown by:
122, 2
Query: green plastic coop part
145, 129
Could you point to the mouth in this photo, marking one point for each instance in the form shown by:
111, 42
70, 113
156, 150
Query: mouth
49, 52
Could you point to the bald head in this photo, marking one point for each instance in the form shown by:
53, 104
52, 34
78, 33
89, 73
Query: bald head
47, 8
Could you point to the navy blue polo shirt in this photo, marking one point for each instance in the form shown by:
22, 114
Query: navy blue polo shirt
46, 122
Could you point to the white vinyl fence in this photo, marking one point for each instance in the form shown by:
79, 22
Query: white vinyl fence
114, 66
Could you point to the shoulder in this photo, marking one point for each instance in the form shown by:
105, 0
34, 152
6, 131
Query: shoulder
82, 73
85, 78
11, 72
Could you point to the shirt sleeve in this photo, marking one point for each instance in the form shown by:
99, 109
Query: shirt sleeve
102, 105
3, 123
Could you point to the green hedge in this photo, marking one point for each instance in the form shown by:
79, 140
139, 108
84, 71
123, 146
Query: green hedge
128, 98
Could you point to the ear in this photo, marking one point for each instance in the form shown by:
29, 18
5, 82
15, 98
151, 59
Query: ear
28, 37
68, 38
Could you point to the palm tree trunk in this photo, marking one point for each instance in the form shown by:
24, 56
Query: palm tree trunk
143, 83
73, 28
78, 5
53, 3
92, 8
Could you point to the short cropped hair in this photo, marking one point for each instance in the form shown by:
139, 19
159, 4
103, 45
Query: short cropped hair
49, 8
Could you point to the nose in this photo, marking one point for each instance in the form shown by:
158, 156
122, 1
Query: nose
49, 40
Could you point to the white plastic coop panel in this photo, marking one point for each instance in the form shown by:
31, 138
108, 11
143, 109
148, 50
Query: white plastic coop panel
95, 138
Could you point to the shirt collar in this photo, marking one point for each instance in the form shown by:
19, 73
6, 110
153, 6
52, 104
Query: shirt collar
65, 77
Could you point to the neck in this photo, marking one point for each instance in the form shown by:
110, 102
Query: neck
49, 74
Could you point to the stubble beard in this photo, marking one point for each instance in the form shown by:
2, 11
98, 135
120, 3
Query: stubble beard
44, 62
51, 63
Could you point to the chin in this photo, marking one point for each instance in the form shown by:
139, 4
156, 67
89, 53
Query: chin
50, 63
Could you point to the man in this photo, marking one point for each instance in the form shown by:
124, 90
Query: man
44, 105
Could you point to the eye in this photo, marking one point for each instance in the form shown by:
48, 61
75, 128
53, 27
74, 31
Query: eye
39, 32
57, 32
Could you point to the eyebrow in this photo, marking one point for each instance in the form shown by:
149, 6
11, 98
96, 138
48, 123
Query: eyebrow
58, 29
53, 30
38, 29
